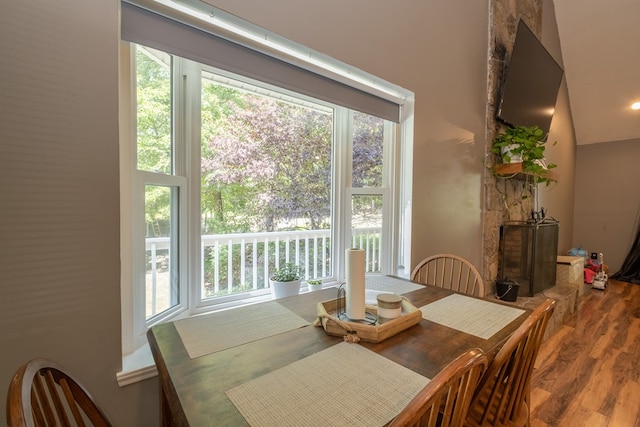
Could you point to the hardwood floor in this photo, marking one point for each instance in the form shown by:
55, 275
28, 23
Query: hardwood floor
588, 372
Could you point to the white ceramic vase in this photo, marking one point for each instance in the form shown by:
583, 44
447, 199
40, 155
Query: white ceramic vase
284, 289
314, 286
515, 158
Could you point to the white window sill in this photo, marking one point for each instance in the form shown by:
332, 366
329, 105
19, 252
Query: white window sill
137, 366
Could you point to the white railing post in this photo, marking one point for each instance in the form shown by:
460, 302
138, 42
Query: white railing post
216, 266
254, 275
154, 278
243, 255
265, 280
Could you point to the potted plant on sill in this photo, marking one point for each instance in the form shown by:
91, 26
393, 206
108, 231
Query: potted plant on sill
526, 145
285, 281
314, 284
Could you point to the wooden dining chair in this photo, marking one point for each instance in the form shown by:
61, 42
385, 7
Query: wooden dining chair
503, 395
445, 400
450, 272
41, 393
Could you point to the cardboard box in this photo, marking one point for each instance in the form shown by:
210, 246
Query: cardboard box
570, 269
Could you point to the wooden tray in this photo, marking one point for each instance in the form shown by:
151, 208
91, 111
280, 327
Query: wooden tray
356, 331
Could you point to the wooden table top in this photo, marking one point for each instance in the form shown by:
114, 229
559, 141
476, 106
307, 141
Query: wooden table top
193, 390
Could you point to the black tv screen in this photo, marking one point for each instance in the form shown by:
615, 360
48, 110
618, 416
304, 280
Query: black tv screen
531, 83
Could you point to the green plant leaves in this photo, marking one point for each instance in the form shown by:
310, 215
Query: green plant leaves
528, 142
288, 273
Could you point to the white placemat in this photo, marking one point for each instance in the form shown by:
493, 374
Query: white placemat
391, 284
344, 385
209, 333
470, 315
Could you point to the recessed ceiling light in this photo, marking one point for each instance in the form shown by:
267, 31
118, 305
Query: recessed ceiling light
635, 106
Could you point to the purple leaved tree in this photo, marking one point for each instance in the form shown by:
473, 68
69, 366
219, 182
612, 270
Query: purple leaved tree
269, 167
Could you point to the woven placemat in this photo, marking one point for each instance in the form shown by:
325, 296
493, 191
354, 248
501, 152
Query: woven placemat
473, 316
344, 385
390, 284
213, 332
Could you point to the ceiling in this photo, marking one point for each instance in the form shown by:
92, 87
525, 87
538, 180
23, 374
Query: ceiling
600, 42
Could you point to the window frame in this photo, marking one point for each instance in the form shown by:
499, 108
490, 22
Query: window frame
186, 143
397, 157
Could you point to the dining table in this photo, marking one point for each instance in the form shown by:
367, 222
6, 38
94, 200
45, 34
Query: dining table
271, 363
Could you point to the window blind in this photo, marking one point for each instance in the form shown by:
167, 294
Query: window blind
197, 42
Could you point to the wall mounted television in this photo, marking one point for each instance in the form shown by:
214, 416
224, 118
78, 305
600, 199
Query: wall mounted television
531, 83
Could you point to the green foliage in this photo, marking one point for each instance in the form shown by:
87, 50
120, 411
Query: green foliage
153, 115
288, 273
367, 150
157, 211
266, 164
270, 164
527, 142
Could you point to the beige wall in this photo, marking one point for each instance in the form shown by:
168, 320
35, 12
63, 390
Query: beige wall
59, 206
558, 198
607, 202
59, 202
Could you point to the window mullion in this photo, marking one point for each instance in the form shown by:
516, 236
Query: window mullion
138, 255
186, 134
193, 145
132, 307
341, 182
389, 171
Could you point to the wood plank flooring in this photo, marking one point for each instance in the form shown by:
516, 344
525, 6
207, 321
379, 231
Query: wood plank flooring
588, 372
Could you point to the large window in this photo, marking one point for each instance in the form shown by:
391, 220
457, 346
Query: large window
266, 185
229, 178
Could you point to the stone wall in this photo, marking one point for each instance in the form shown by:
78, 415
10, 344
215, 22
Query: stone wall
503, 200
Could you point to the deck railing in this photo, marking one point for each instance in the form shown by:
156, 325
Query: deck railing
244, 261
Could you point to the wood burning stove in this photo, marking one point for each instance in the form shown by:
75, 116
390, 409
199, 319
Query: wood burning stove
528, 254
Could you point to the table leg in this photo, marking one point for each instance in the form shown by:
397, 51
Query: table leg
165, 410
